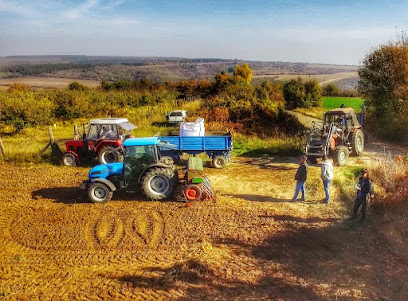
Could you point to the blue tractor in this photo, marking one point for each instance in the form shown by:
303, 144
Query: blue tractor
143, 167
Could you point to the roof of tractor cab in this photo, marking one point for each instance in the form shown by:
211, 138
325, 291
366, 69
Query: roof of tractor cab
122, 122
341, 111
141, 141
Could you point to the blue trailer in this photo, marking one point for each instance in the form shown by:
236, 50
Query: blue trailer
218, 148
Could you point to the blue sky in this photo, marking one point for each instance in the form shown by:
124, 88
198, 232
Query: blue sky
317, 31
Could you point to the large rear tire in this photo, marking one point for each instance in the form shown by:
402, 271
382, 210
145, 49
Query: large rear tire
219, 162
108, 154
159, 183
68, 159
357, 142
99, 193
341, 154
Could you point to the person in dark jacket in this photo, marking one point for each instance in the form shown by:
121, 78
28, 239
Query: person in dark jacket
365, 191
300, 178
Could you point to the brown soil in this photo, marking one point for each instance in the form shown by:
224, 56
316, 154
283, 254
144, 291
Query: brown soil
251, 244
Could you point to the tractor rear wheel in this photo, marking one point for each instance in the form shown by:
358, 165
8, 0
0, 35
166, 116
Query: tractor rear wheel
219, 162
99, 193
159, 183
357, 142
109, 155
68, 159
341, 154
193, 192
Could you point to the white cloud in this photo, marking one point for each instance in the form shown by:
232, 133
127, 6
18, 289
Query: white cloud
15, 7
80, 10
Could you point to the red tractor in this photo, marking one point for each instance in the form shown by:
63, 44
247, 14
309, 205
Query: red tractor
103, 141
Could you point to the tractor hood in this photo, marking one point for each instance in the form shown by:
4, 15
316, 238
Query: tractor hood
105, 170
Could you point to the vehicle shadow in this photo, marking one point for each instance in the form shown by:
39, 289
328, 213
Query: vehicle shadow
258, 198
273, 163
74, 195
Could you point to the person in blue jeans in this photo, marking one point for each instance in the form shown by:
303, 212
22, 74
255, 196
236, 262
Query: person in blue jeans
300, 178
327, 177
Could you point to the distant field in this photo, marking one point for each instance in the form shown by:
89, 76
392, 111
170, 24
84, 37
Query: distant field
45, 83
335, 102
321, 78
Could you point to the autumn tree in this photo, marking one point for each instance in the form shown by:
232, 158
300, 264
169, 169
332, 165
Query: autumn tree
299, 94
383, 84
243, 72
331, 90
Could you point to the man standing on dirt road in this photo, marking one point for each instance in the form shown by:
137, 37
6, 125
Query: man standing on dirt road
365, 191
300, 178
327, 177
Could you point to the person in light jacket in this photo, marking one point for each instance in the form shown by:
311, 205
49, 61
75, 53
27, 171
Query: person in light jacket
327, 177
300, 178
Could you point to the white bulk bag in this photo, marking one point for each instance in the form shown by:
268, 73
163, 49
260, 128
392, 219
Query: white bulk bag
192, 128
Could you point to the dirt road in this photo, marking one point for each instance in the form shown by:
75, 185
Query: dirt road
252, 244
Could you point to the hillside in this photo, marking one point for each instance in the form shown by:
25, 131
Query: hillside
158, 69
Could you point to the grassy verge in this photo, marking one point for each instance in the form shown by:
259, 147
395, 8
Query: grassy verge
254, 146
25, 147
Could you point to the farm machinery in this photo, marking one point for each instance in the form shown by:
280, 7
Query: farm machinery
145, 169
339, 135
103, 141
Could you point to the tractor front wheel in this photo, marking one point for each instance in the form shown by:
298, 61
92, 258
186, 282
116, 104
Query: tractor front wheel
159, 183
68, 159
341, 155
357, 142
99, 193
219, 162
109, 155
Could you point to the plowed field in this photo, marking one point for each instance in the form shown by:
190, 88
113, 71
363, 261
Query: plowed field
251, 244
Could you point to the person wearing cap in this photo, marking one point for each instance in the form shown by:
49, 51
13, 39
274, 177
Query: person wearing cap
365, 191
326, 176
300, 178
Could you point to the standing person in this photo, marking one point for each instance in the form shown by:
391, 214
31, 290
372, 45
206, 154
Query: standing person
365, 191
300, 178
327, 177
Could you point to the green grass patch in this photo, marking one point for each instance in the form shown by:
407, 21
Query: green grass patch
330, 103
254, 146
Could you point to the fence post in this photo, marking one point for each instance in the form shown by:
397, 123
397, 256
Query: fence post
76, 132
3, 152
52, 140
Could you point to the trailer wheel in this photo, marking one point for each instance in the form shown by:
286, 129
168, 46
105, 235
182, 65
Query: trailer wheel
219, 162
341, 155
193, 192
159, 183
68, 159
99, 193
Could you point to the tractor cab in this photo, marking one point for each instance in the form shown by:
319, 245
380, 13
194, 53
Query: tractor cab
344, 118
108, 129
102, 140
140, 154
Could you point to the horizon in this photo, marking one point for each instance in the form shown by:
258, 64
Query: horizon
240, 60
316, 32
